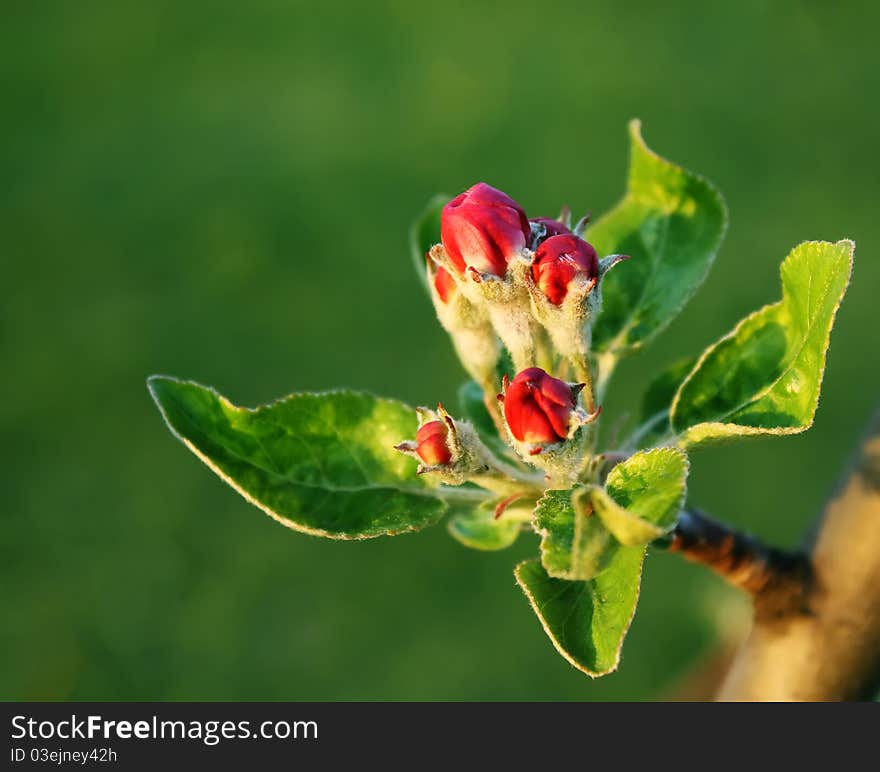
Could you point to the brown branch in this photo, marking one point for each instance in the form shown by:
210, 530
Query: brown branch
777, 580
825, 643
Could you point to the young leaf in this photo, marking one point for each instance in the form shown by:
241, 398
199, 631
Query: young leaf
574, 545
654, 421
586, 621
424, 233
671, 223
764, 377
480, 530
319, 463
504, 366
470, 397
642, 495
629, 529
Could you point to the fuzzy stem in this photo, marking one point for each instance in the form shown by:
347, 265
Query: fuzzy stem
544, 350
643, 430
516, 330
456, 493
606, 361
512, 474
490, 400
584, 374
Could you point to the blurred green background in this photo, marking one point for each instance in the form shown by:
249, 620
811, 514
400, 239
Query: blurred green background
221, 191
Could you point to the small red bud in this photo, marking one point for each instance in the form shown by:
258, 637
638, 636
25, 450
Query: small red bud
483, 229
554, 227
537, 407
431, 443
444, 284
558, 260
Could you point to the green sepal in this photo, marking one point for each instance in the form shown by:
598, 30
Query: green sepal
424, 233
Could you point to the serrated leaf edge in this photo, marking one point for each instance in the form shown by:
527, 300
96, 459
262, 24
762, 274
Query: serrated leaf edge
556, 644
286, 522
681, 499
751, 431
544, 533
614, 346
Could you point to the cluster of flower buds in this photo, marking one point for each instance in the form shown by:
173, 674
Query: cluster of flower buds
533, 285
529, 279
542, 415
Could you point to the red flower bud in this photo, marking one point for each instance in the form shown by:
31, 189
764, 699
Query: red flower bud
554, 227
444, 284
537, 406
558, 260
431, 443
483, 228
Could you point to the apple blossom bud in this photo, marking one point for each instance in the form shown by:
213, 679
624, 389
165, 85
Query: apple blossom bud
431, 444
551, 227
452, 452
558, 260
444, 284
483, 229
538, 407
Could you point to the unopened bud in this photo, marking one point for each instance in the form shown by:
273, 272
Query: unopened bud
543, 417
483, 229
551, 227
431, 444
558, 260
538, 407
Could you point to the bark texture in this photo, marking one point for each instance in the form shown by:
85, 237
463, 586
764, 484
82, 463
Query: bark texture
822, 643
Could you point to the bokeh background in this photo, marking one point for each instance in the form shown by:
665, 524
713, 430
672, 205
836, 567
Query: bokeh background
221, 191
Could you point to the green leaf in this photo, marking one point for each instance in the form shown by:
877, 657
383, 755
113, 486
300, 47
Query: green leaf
319, 463
671, 223
764, 377
504, 366
654, 421
554, 521
424, 233
586, 621
627, 528
470, 397
574, 545
642, 495
582, 530
479, 530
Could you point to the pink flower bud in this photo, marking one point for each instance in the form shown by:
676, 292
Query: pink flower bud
444, 284
483, 228
553, 227
558, 260
431, 443
537, 406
